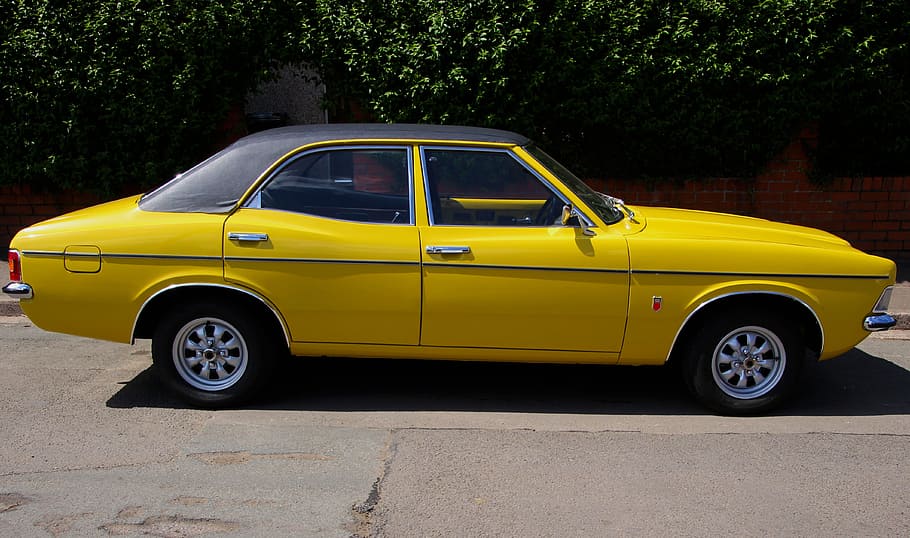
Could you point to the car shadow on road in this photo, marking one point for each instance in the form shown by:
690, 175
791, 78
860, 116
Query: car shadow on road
854, 384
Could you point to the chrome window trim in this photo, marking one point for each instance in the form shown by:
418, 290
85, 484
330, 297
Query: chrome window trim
284, 327
426, 183
778, 294
254, 201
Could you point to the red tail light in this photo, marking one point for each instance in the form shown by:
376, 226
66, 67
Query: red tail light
15, 266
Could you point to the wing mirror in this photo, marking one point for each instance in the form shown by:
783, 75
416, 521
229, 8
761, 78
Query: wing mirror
571, 217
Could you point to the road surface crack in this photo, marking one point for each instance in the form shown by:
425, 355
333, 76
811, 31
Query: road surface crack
366, 520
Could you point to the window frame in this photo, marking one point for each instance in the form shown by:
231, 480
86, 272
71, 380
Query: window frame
255, 200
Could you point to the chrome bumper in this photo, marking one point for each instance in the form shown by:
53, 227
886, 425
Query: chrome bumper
19, 290
878, 322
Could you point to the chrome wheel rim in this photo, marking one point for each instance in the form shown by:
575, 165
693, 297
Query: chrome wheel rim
210, 354
748, 362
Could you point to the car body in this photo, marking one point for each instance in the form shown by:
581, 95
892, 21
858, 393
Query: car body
440, 242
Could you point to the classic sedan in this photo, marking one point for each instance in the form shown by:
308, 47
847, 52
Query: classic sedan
440, 242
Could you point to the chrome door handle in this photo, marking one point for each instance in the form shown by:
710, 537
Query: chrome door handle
248, 236
448, 250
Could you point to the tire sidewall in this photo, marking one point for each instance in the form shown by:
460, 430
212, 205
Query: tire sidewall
258, 360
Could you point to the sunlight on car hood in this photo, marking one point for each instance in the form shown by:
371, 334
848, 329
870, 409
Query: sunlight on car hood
705, 225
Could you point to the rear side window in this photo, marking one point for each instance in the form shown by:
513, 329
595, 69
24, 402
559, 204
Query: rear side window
363, 185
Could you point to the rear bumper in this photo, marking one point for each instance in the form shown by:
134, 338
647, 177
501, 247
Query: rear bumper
879, 322
19, 290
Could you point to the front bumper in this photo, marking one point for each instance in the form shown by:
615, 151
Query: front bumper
19, 290
879, 322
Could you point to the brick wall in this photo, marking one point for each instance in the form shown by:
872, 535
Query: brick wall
21, 207
873, 213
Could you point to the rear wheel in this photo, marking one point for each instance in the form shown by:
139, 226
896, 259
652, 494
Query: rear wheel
744, 363
212, 355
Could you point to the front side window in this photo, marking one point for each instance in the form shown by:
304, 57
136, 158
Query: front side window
486, 188
363, 185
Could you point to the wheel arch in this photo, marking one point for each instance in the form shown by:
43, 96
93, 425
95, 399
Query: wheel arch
169, 297
801, 313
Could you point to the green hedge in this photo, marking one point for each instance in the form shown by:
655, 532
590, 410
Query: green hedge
101, 93
635, 87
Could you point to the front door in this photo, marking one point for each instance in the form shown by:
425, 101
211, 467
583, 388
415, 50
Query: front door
501, 271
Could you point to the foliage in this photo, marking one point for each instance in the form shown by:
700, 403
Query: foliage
633, 87
100, 93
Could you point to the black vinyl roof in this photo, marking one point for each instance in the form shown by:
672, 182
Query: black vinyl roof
216, 184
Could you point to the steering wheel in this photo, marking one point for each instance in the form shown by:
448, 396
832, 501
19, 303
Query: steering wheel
550, 212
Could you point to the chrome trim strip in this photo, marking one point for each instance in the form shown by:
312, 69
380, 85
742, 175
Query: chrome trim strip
82, 254
706, 303
760, 275
317, 260
878, 322
159, 257
526, 268
114, 256
44, 253
19, 290
284, 327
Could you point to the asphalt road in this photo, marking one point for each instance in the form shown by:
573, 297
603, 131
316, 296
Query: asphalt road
92, 447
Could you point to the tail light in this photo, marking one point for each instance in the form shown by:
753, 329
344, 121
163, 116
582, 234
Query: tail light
15, 266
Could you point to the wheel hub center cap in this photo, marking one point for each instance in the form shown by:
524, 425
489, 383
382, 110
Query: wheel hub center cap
209, 354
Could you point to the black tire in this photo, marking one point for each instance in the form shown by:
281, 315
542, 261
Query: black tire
212, 355
744, 363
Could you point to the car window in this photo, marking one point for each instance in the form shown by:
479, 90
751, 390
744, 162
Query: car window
486, 188
364, 185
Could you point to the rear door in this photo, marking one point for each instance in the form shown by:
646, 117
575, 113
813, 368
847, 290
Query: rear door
330, 240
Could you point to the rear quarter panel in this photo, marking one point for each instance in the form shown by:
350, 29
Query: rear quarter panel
141, 253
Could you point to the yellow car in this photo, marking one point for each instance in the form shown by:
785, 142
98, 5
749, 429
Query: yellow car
440, 242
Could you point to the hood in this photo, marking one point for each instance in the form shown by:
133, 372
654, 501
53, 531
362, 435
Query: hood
705, 225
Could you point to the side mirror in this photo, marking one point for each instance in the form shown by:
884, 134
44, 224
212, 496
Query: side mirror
571, 217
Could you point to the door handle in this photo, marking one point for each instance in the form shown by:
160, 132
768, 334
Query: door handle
448, 250
248, 236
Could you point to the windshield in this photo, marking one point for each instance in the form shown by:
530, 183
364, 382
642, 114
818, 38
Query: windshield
600, 203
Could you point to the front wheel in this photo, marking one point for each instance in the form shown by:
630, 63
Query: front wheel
744, 364
211, 355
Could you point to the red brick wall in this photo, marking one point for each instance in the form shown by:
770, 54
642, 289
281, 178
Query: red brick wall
873, 213
21, 207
